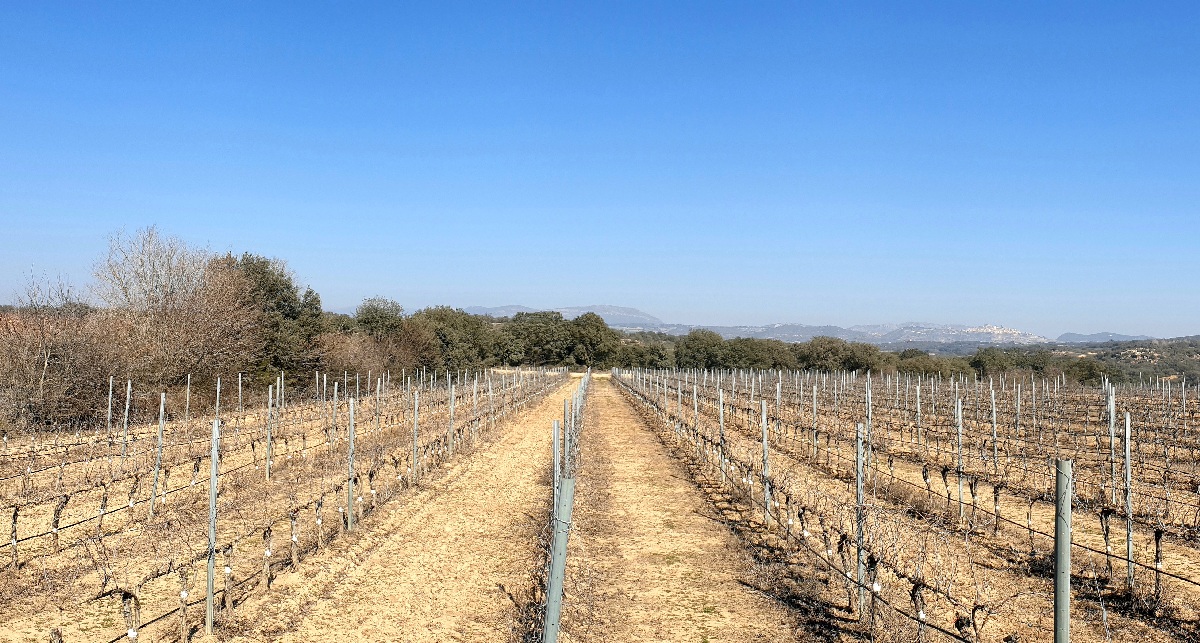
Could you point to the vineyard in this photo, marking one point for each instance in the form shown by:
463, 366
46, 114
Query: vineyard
119, 529
951, 531
681, 504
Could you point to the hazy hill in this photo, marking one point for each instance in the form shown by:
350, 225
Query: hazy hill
632, 319
1077, 338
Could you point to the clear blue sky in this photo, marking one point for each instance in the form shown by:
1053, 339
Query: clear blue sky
1024, 164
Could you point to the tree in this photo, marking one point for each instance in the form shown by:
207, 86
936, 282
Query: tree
54, 356
465, 341
291, 321
701, 348
822, 353
595, 344
537, 339
634, 354
381, 318
1090, 371
750, 352
148, 272
991, 361
175, 310
861, 356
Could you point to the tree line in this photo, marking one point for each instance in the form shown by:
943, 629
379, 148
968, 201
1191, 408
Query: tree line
162, 313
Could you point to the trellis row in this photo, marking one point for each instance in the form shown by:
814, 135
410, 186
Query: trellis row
669, 389
384, 441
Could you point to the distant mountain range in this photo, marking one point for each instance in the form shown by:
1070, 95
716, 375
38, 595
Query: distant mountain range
892, 336
882, 334
1095, 338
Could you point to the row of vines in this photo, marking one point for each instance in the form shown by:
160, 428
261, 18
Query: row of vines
957, 519
109, 527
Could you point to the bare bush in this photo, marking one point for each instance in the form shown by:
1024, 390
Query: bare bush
171, 310
176, 310
149, 272
52, 356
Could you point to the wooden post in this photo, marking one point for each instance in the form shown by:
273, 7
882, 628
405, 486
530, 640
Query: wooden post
107, 434
227, 594
450, 430
293, 515
1112, 442
183, 596
16, 563
320, 521
1062, 552
162, 410
995, 440
920, 440
859, 535
266, 575
212, 525
350, 474
416, 421
125, 430
270, 413
1128, 511
766, 469
958, 423
333, 421
721, 418
187, 401
54, 521
870, 442
556, 459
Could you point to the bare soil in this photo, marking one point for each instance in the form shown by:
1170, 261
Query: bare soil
450, 562
649, 558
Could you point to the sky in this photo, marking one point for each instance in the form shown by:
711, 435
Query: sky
1033, 165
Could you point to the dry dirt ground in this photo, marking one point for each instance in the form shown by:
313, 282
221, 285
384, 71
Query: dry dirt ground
438, 565
648, 561
648, 558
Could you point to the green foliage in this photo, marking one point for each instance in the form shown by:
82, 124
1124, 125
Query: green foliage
917, 361
1088, 371
701, 349
595, 343
379, 317
991, 361
1150, 358
634, 354
464, 341
340, 323
538, 339
748, 352
831, 354
291, 321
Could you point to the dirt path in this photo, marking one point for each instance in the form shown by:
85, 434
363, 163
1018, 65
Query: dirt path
647, 560
441, 564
